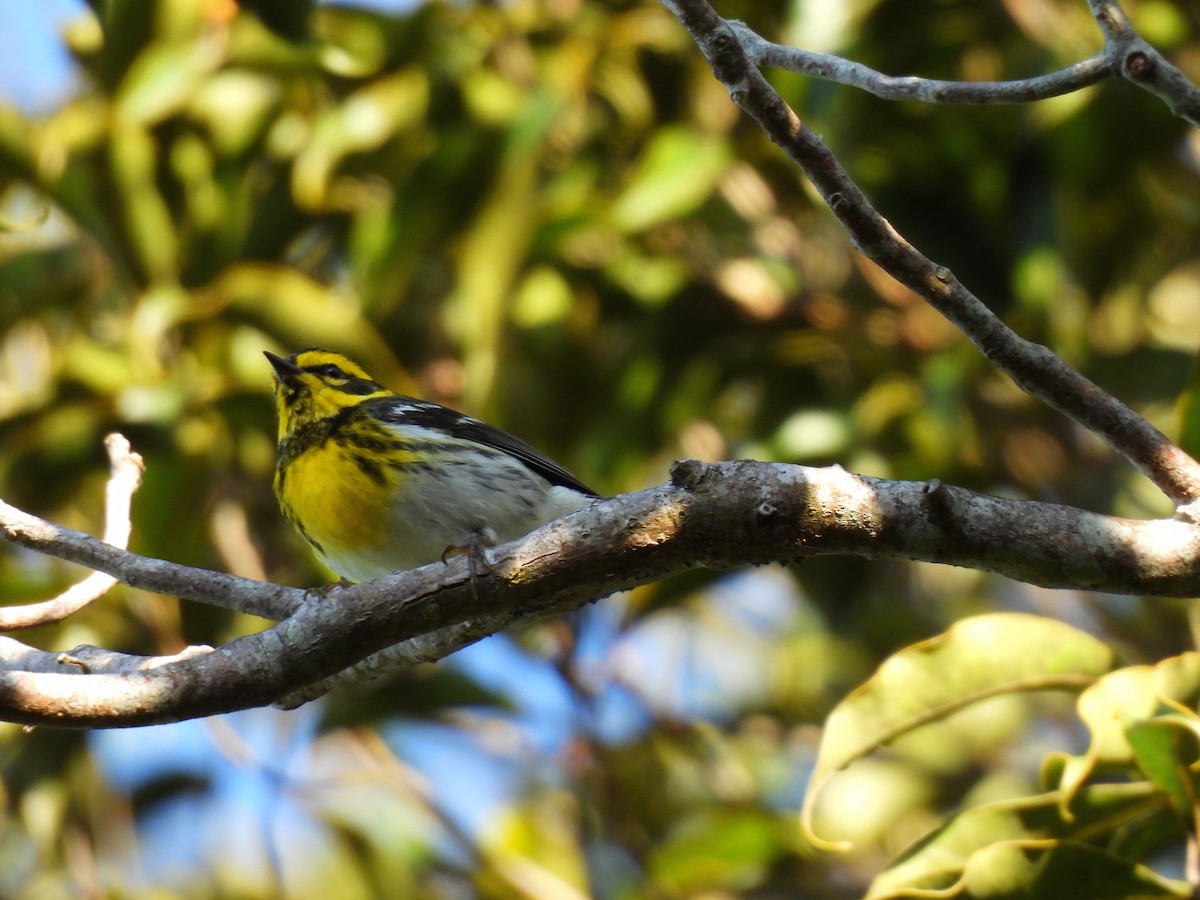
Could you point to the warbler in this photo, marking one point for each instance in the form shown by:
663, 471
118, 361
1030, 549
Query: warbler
376, 481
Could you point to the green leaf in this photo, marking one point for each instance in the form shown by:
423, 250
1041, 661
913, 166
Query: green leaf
1165, 748
940, 858
1062, 870
676, 174
369, 118
976, 659
1114, 708
162, 81
294, 308
728, 849
235, 107
149, 228
1177, 680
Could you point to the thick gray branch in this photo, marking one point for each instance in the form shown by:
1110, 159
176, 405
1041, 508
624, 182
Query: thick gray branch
720, 516
1034, 367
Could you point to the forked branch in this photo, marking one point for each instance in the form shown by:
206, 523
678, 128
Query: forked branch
1037, 370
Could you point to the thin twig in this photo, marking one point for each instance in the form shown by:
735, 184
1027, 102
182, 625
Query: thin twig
828, 67
125, 476
1037, 370
258, 598
1125, 53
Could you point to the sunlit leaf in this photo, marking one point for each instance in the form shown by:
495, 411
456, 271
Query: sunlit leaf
297, 308
534, 843
234, 106
149, 228
373, 115
1116, 703
677, 173
355, 44
928, 681
163, 80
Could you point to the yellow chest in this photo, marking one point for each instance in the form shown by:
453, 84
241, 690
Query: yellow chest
338, 498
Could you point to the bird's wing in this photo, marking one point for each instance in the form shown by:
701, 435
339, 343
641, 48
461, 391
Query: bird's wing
399, 410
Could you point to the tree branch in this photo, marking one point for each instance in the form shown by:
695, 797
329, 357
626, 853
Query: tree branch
1125, 52
257, 598
926, 90
720, 516
1037, 370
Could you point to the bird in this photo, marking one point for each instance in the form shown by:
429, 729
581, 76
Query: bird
376, 481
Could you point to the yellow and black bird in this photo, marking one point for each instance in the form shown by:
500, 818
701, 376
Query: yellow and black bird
376, 481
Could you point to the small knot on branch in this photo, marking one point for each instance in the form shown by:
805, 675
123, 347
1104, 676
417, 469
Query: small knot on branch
724, 41
1138, 65
67, 659
689, 474
940, 503
765, 513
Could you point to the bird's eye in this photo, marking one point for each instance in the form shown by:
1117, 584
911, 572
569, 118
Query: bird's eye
330, 370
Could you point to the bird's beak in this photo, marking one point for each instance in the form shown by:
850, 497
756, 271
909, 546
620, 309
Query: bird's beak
285, 369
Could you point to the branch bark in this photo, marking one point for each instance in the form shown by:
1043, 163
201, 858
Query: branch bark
828, 67
716, 515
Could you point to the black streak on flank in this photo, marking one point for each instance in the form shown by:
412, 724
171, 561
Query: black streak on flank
370, 468
316, 545
366, 442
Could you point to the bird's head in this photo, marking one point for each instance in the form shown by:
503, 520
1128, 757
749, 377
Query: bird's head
315, 384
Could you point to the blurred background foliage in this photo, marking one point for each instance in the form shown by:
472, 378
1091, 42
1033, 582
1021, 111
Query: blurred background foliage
548, 213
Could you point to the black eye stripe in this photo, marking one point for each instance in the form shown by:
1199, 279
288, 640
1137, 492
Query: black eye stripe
358, 386
350, 384
327, 370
